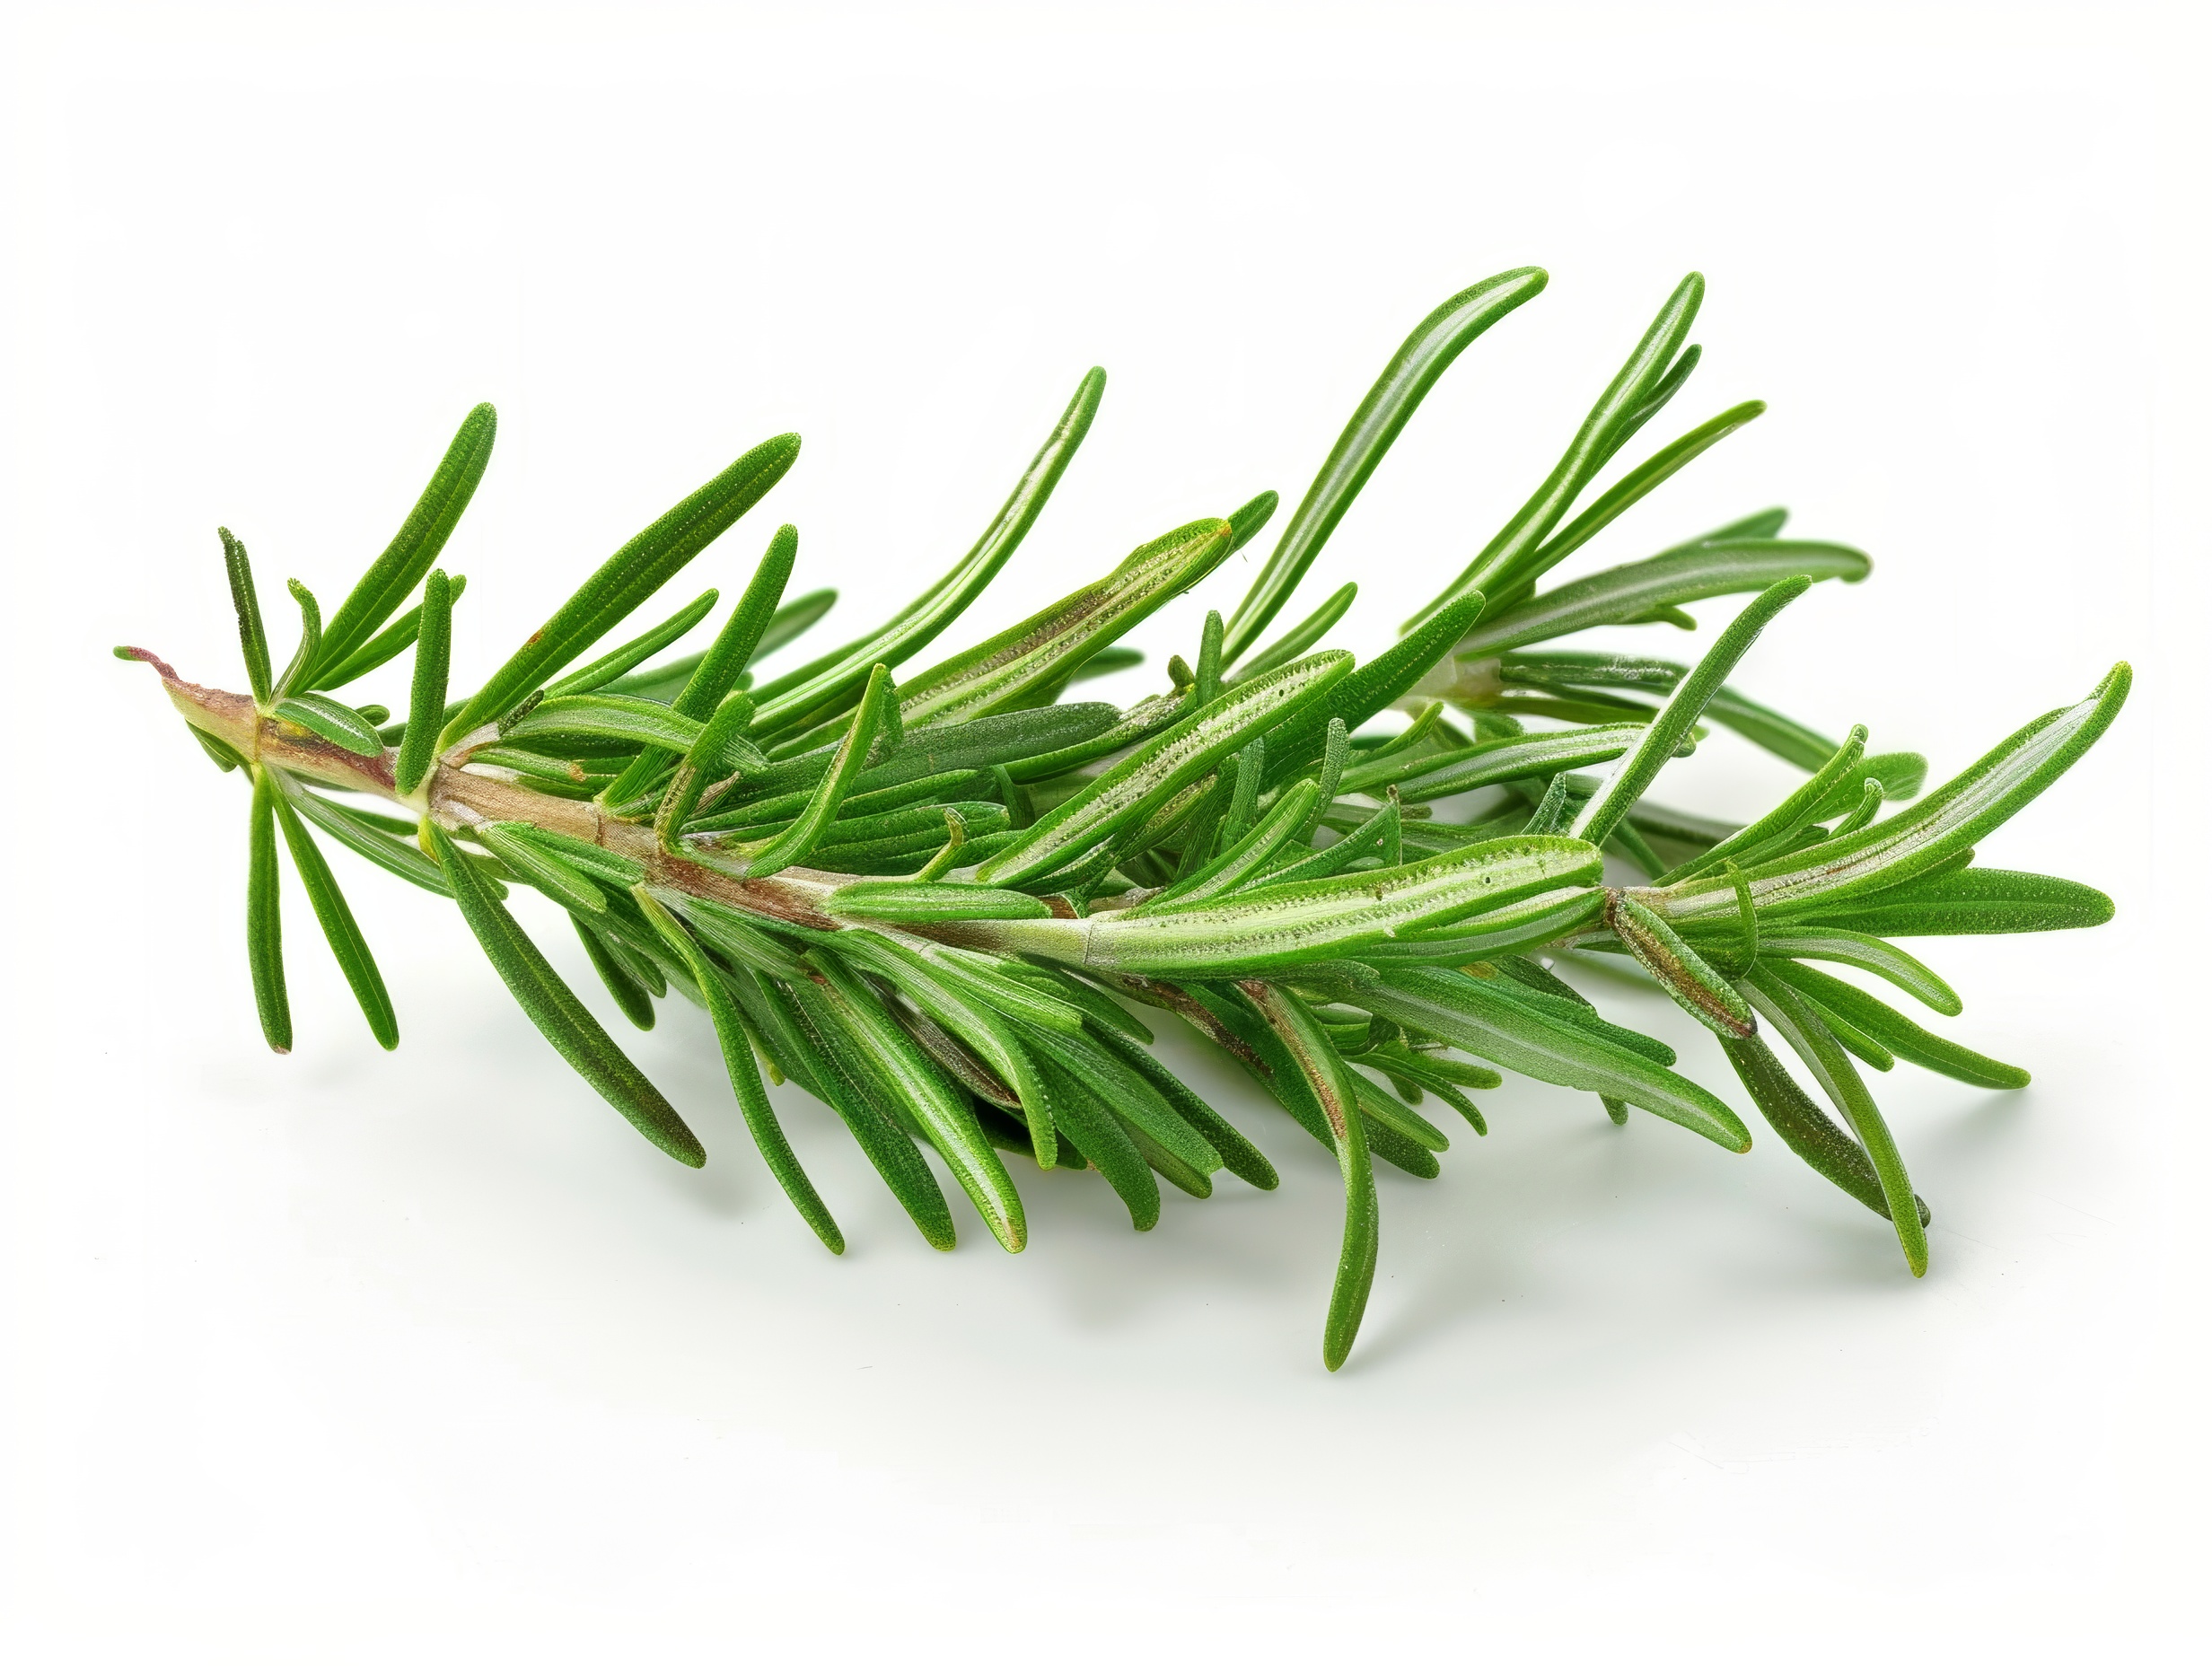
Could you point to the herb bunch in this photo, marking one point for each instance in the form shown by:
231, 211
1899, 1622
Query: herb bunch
948, 902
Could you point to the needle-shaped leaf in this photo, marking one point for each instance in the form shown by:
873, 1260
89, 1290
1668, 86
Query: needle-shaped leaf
1892, 1031
1634, 486
1627, 403
1482, 1018
635, 651
348, 946
1024, 662
1088, 1125
1969, 901
716, 672
560, 1017
631, 995
426, 695
795, 842
819, 690
1515, 757
628, 579
1924, 836
806, 1022
1300, 637
311, 637
1638, 767
386, 645
946, 1120
1788, 819
1424, 355
530, 861
340, 725
1163, 767
363, 835
1276, 927
1249, 856
924, 904
702, 762
1130, 1094
1332, 1083
1839, 1078
412, 550
1804, 1127
1722, 568
252, 638
1238, 1154
1379, 683
1868, 954
1681, 970
621, 717
737, 1058
265, 948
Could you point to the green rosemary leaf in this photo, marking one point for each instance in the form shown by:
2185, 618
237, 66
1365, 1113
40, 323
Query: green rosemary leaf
635, 651
529, 860
252, 640
1238, 1154
1331, 1083
1785, 737
1246, 520
822, 688
1008, 739
945, 1000
803, 1017
1015, 668
340, 725
348, 945
1279, 925
363, 834
1370, 688
1487, 763
265, 952
701, 761
1804, 1127
1163, 767
1637, 485
1424, 355
1719, 568
923, 905
1205, 688
946, 1120
1831, 1068
1971, 900
851, 757
605, 716
628, 578
387, 645
1637, 769
1867, 954
1788, 819
1401, 1119
1953, 818
311, 637
1481, 1018
1088, 1125
735, 936
1130, 1096
1106, 661
1892, 1029
1635, 393
1247, 859
412, 550
1299, 637
1681, 970
426, 696
560, 1017
1105, 1015
631, 995
737, 1058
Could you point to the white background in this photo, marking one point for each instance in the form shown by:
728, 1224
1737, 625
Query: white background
346, 1356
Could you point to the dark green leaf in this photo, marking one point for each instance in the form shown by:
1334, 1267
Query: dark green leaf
337, 920
265, 949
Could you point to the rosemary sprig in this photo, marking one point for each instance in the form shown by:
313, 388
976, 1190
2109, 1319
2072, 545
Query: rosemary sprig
934, 901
